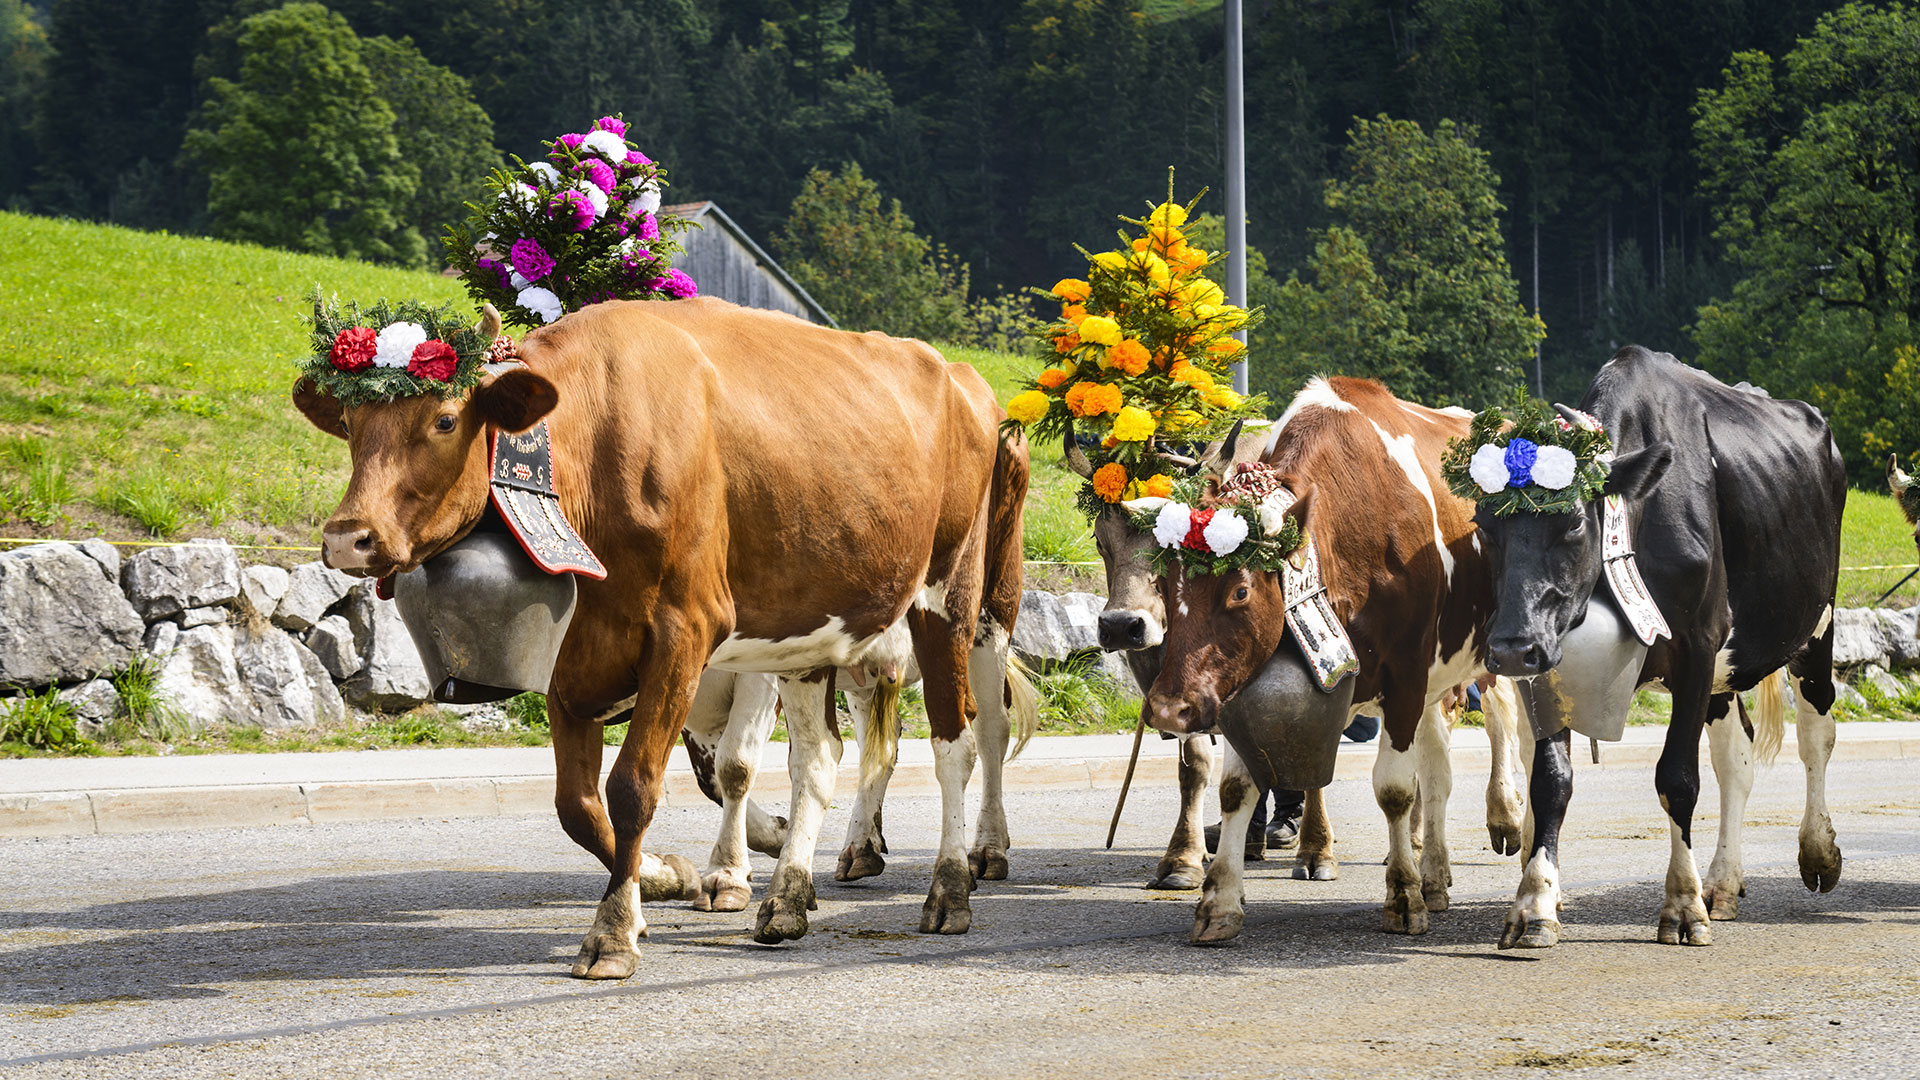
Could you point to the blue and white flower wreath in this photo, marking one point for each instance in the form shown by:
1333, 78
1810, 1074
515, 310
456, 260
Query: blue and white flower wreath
1526, 458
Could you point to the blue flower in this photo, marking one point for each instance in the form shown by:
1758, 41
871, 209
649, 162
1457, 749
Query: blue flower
1520, 456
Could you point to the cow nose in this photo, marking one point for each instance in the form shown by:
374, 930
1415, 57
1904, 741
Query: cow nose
347, 549
1121, 631
1168, 713
1516, 657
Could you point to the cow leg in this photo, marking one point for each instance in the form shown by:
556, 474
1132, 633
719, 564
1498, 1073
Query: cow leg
1533, 922
813, 761
1222, 909
1814, 731
942, 644
1683, 914
1314, 861
1435, 772
666, 689
1731, 750
987, 675
1184, 866
864, 854
1500, 708
1395, 783
741, 707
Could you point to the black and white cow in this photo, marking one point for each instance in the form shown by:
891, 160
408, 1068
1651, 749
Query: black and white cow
1733, 501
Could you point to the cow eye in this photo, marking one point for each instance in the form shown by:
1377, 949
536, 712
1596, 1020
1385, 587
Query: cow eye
1240, 593
444, 423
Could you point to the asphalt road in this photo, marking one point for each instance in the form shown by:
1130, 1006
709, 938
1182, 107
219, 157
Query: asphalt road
439, 948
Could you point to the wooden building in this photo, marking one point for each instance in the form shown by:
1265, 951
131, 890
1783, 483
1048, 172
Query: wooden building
725, 262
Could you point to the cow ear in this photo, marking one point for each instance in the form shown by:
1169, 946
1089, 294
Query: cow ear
324, 411
1302, 509
516, 400
1636, 473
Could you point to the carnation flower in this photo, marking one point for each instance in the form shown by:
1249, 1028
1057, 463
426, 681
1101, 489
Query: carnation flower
498, 268
1489, 468
1171, 525
1225, 533
612, 124
434, 360
1028, 407
354, 348
1553, 469
606, 144
1109, 480
643, 223
636, 159
541, 302
596, 197
1519, 460
599, 174
520, 196
1273, 515
676, 284
394, 344
515, 281
1133, 424
549, 176
571, 141
649, 198
573, 207
530, 259
1196, 538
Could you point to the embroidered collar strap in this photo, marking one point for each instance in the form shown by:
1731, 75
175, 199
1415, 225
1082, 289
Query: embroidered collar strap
1310, 616
1623, 574
523, 490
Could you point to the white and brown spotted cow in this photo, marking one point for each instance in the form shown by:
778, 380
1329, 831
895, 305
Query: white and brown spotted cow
767, 496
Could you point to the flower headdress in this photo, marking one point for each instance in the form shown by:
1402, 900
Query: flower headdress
387, 351
580, 227
1140, 353
1528, 460
1243, 524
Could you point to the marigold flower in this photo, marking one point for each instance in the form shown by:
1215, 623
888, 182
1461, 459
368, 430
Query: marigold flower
1110, 260
1152, 265
1193, 376
1141, 244
1076, 398
1052, 377
1133, 424
1109, 443
1073, 313
1203, 291
1028, 407
1093, 399
1157, 486
1110, 481
1226, 346
1066, 343
1129, 356
1222, 398
1168, 214
1072, 290
1100, 330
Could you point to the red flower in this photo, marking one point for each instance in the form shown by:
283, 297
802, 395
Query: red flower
433, 360
353, 350
1197, 532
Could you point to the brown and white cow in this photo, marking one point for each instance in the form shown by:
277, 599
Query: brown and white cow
1407, 578
768, 496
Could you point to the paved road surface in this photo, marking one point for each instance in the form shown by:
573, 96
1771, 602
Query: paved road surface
439, 948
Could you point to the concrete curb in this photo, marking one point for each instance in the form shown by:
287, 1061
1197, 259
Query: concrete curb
126, 809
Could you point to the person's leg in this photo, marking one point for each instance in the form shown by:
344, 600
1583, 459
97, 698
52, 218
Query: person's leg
1363, 729
1284, 832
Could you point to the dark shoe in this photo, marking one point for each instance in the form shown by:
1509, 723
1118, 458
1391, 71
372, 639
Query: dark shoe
1256, 843
1284, 836
1363, 729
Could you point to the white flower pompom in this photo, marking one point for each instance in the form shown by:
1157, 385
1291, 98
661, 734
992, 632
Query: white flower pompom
519, 195
648, 201
515, 279
1171, 526
541, 302
393, 346
1225, 533
1553, 467
595, 196
549, 176
1489, 468
1273, 515
607, 145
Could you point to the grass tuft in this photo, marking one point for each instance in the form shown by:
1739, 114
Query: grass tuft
42, 721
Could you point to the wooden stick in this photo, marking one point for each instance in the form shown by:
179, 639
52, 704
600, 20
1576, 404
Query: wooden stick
1139, 730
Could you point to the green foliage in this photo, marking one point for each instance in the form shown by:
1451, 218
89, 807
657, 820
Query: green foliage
1414, 287
43, 721
1528, 418
441, 132
529, 710
1077, 700
23, 64
35, 480
147, 712
301, 150
866, 265
1812, 162
149, 499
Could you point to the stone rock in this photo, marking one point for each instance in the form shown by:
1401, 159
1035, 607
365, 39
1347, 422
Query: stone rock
331, 641
311, 590
202, 616
161, 638
392, 677
1052, 628
1896, 634
1112, 666
261, 588
163, 581
200, 677
1847, 695
1083, 619
105, 554
482, 717
94, 700
61, 620
290, 688
1882, 680
1858, 638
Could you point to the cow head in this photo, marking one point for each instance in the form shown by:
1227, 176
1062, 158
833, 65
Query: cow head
1909, 501
1545, 567
420, 468
1221, 630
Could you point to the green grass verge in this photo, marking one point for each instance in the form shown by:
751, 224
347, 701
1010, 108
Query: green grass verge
1874, 533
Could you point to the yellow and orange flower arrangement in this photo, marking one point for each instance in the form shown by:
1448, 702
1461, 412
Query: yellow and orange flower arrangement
1139, 355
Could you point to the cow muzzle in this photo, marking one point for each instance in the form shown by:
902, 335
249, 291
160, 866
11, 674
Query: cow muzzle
1124, 630
353, 549
1178, 716
1518, 658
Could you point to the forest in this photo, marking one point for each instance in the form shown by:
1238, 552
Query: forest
1728, 180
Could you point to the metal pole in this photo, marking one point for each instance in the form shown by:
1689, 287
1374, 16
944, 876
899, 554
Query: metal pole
1236, 182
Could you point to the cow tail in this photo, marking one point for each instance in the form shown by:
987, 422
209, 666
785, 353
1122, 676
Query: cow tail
1023, 704
1770, 716
880, 735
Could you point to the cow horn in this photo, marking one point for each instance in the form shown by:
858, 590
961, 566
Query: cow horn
1219, 456
1897, 480
1179, 461
489, 323
1076, 458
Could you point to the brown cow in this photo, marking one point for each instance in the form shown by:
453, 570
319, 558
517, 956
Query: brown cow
767, 495
1407, 578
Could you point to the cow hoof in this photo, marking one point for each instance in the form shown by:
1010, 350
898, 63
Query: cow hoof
1723, 901
1214, 923
1405, 913
723, 890
1175, 874
862, 862
1530, 933
1434, 898
783, 914
1505, 837
988, 864
676, 878
948, 909
606, 956
1685, 927
1316, 868
1819, 858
